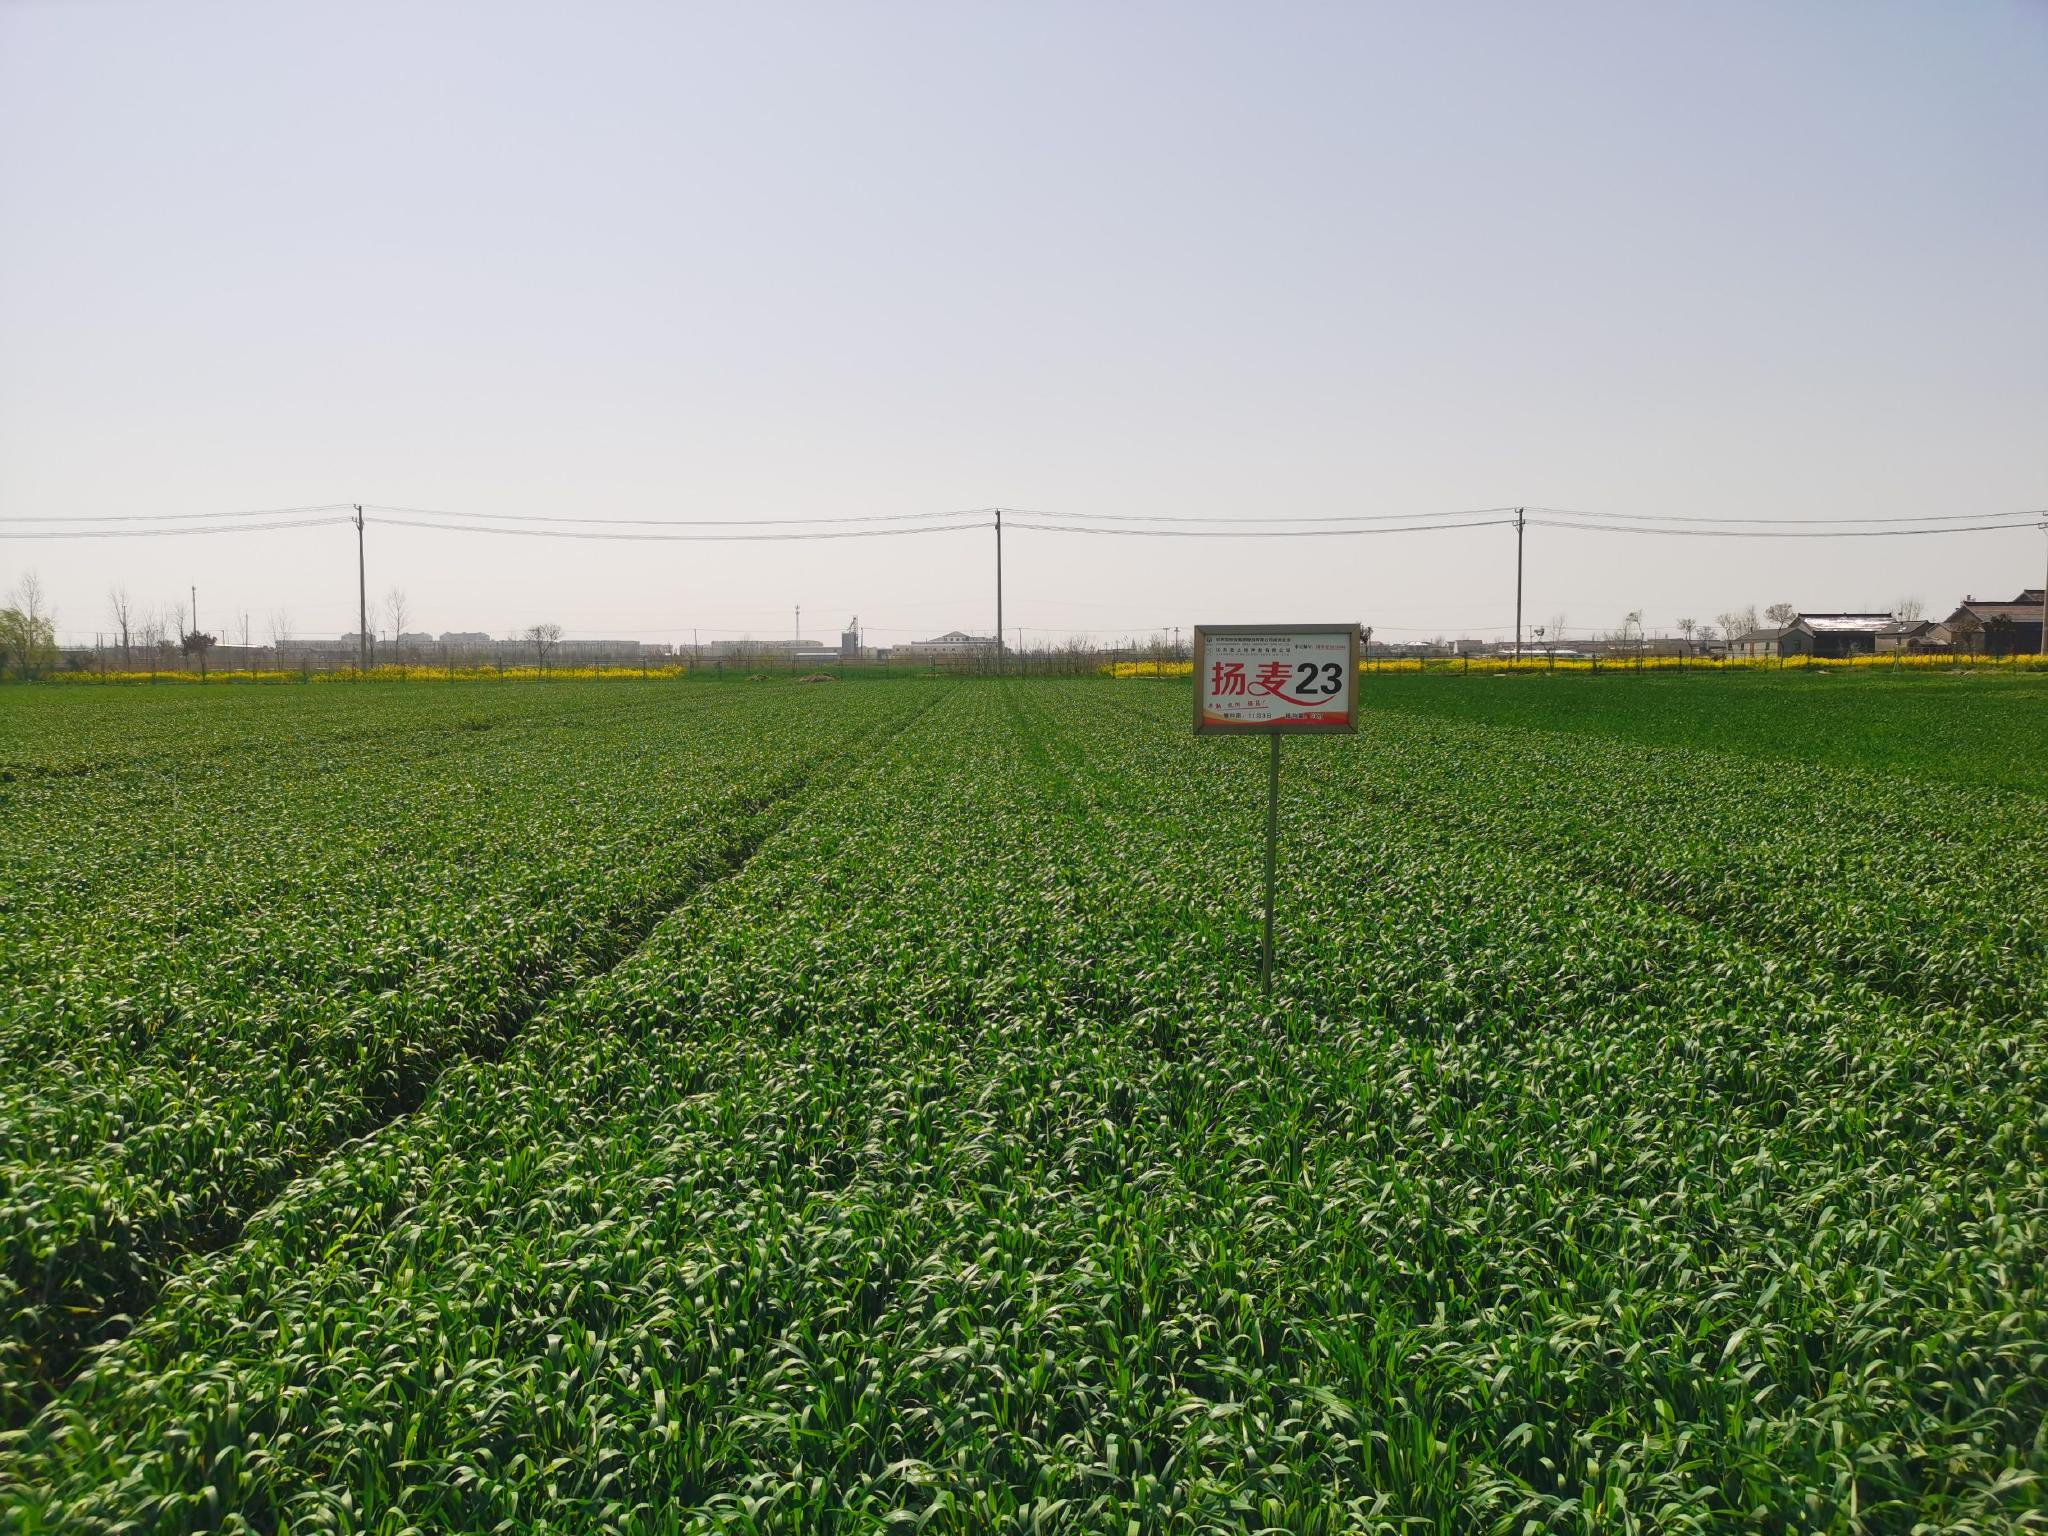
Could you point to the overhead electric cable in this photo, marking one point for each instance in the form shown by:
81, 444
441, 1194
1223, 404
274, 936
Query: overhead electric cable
1766, 533
171, 533
1260, 533
1248, 517
709, 538
181, 517
680, 522
1133, 525
1673, 517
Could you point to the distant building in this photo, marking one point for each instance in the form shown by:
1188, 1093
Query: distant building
1832, 636
1984, 628
596, 652
953, 642
750, 649
457, 637
1911, 637
1756, 643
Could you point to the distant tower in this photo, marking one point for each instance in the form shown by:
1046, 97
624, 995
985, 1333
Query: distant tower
849, 640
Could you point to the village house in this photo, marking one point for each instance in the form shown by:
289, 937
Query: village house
1981, 627
1754, 643
1832, 636
1911, 637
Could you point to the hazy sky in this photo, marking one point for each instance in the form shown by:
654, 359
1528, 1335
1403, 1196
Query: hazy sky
766, 260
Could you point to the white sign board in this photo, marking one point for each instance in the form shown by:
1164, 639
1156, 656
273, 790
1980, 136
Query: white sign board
1275, 677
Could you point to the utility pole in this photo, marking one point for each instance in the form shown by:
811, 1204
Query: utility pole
195, 635
362, 602
1519, 522
999, 591
2044, 598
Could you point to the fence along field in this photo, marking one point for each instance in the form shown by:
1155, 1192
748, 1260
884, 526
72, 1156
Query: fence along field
1642, 1137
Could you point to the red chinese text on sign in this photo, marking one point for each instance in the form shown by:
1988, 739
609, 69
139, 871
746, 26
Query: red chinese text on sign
1276, 678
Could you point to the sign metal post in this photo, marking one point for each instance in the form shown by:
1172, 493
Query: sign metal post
1272, 853
1275, 680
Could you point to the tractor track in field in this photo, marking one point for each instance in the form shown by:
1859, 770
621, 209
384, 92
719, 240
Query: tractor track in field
761, 815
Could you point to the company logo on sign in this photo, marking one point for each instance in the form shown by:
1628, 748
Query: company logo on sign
1276, 677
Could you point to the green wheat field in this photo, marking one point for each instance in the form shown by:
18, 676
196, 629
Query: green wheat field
667, 1106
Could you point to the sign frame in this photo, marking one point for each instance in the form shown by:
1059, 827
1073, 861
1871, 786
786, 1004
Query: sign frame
1274, 730
1203, 727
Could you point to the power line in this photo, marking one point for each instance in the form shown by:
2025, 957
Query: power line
1673, 517
1479, 517
1248, 517
594, 533
343, 506
680, 522
1259, 533
171, 533
183, 517
739, 522
1123, 525
1763, 533
1047, 517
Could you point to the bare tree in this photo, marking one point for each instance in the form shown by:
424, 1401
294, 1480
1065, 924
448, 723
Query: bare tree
1688, 628
1781, 614
1555, 628
1909, 610
280, 635
1738, 622
543, 638
122, 607
397, 612
1630, 633
30, 597
150, 630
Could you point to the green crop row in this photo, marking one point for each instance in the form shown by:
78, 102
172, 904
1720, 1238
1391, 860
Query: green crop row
940, 1166
1924, 891
1968, 727
225, 965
